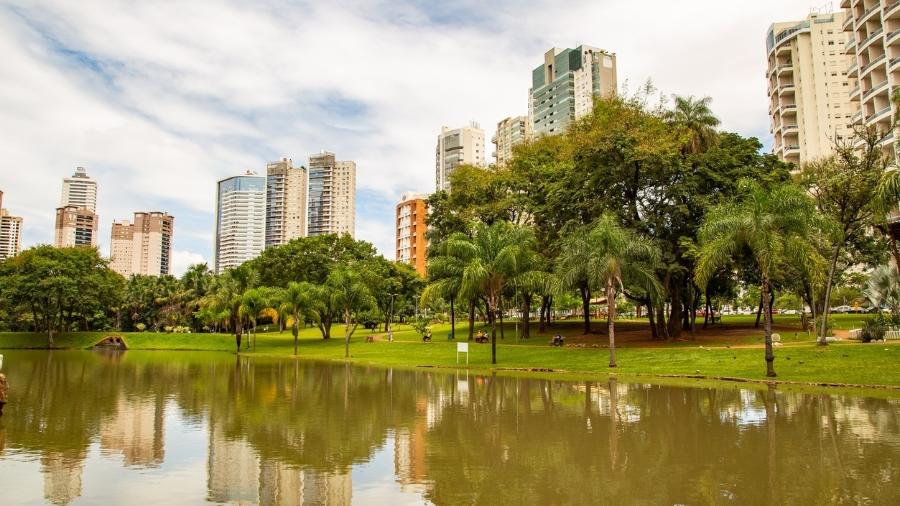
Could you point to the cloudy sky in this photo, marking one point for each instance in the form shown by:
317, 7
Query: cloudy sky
159, 99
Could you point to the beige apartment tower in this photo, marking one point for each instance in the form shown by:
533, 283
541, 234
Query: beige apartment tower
564, 86
79, 191
873, 46
455, 147
75, 226
10, 235
332, 195
412, 246
286, 203
144, 246
510, 133
809, 90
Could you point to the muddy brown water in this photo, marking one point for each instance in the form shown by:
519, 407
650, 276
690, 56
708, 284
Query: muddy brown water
188, 428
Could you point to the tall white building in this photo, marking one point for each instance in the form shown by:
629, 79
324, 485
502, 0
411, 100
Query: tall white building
455, 147
332, 195
240, 219
563, 87
79, 191
286, 204
809, 90
143, 247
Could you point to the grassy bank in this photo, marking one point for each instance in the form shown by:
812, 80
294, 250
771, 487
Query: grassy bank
732, 355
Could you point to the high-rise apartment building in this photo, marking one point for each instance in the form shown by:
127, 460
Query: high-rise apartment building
455, 147
79, 191
809, 90
10, 234
412, 246
332, 195
286, 203
510, 132
75, 226
874, 69
564, 86
143, 247
240, 219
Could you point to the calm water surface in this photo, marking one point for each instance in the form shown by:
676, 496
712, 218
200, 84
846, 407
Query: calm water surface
188, 428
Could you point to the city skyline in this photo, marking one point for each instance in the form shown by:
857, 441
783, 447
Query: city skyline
160, 146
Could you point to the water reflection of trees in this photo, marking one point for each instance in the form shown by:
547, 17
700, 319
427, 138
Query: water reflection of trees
288, 432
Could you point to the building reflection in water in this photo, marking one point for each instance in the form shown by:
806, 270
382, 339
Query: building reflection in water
136, 431
62, 477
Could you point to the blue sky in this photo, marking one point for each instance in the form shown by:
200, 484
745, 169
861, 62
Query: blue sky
160, 99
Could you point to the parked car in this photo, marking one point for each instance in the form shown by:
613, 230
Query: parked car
790, 311
842, 309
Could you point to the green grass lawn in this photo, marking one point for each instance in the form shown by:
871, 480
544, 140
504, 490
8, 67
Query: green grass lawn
843, 363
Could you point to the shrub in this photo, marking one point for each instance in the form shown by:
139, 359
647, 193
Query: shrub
140, 327
873, 330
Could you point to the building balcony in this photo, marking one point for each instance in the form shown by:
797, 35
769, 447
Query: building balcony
888, 139
878, 116
848, 24
790, 129
784, 48
869, 13
785, 69
850, 46
892, 39
871, 38
892, 10
856, 118
787, 89
845, 4
871, 66
853, 71
791, 149
876, 90
788, 109
854, 93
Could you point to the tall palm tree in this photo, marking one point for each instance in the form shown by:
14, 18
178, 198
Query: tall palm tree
886, 201
695, 115
618, 255
296, 302
491, 259
572, 270
350, 295
228, 296
252, 304
445, 273
774, 223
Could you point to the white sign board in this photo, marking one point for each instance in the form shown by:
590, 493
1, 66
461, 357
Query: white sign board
462, 348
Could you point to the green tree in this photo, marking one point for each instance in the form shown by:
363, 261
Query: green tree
618, 256
774, 223
228, 297
296, 302
350, 296
696, 116
491, 259
253, 302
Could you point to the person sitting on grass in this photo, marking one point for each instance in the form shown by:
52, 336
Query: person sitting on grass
426, 338
558, 340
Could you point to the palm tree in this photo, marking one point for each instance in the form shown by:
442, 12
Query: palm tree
228, 296
445, 273
572, 271
296, 302
490, 260
252, 304
618, 255
695, 115
886, 201
350, 296
774, 223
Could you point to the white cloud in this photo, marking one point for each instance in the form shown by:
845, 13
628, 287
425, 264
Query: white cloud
181, 260
161, 99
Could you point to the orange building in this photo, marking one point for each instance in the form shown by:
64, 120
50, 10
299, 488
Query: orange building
411, 243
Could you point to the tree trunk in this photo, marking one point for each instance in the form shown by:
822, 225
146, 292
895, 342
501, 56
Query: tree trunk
828, 282
295, 329
586, 308
654, 332
526, 321
237, 332
471, 320
762, 298
452, 319
661, 321
347, 334
500, 314
767, 309
708, 307
542, 321
611, 317
491, 308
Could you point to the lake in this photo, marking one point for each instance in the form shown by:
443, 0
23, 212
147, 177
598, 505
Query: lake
188, 428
